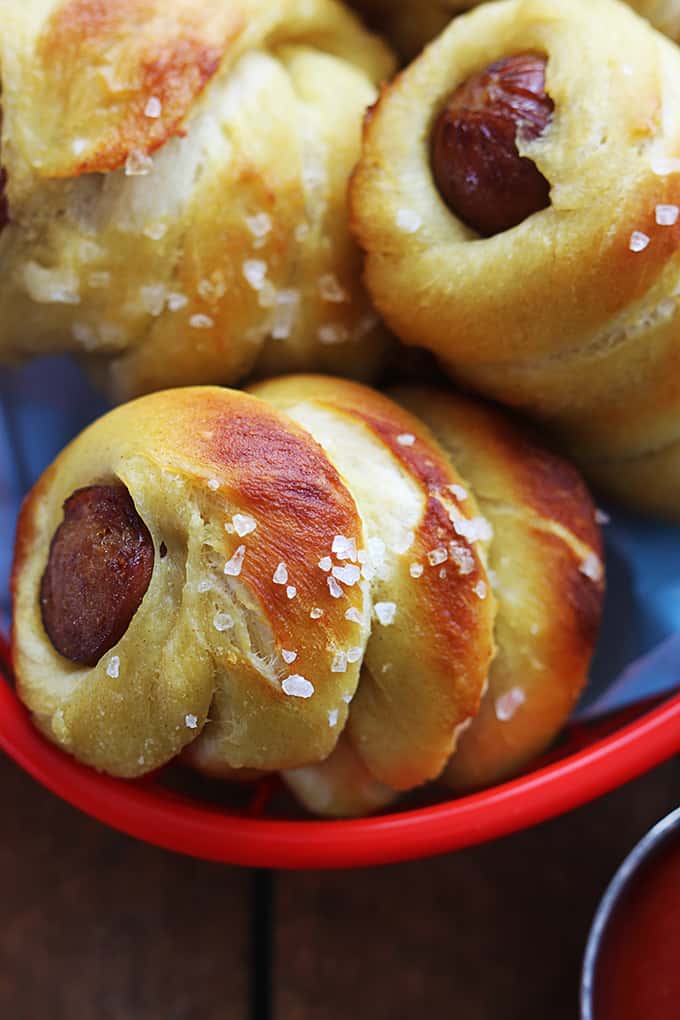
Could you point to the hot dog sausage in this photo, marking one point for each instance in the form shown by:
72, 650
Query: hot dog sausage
98, 569
475, 161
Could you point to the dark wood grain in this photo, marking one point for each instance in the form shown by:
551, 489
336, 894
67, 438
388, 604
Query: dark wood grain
495, 932
94, 924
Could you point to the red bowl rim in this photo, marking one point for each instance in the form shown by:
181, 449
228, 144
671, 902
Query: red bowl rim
156, 816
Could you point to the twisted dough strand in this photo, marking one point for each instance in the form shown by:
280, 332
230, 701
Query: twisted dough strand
175, 176
327, 597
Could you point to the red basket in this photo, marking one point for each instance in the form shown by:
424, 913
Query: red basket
590, 761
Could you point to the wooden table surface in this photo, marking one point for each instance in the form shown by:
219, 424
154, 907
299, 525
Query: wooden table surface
97, 925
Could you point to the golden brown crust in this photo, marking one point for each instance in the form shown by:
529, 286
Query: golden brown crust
423, 674
546, 566
169, 60
581, 322
154, 227
204, 644
320, 570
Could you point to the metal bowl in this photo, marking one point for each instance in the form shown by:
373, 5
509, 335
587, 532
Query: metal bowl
628, 873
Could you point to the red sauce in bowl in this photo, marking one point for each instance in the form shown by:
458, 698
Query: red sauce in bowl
637, 975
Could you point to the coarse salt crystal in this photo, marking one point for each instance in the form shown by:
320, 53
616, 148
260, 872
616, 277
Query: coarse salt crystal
280, 575
473, 529
437, 556
508, 703
51, 286
347, 698
113, 667
353, 615
602, 517
459, 492
666, 215
326, 563
243, 524
191, 721
259, 225
177, 301
213, 483
354, 653
285, 314
200, 321
204, 585
385, 612
291, 591
78, 146
442, 573
333, 717
406, 439
462, 557
233, 566
223, 621
480, 590
638, 241
297, 686
591, 567
663, 167
409, 221
345, 548
315, 613
153, 108
138, 164
416, 570
206, 288
288, 656
334, 588
255, 272
331, 290
349, 574
339, 663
